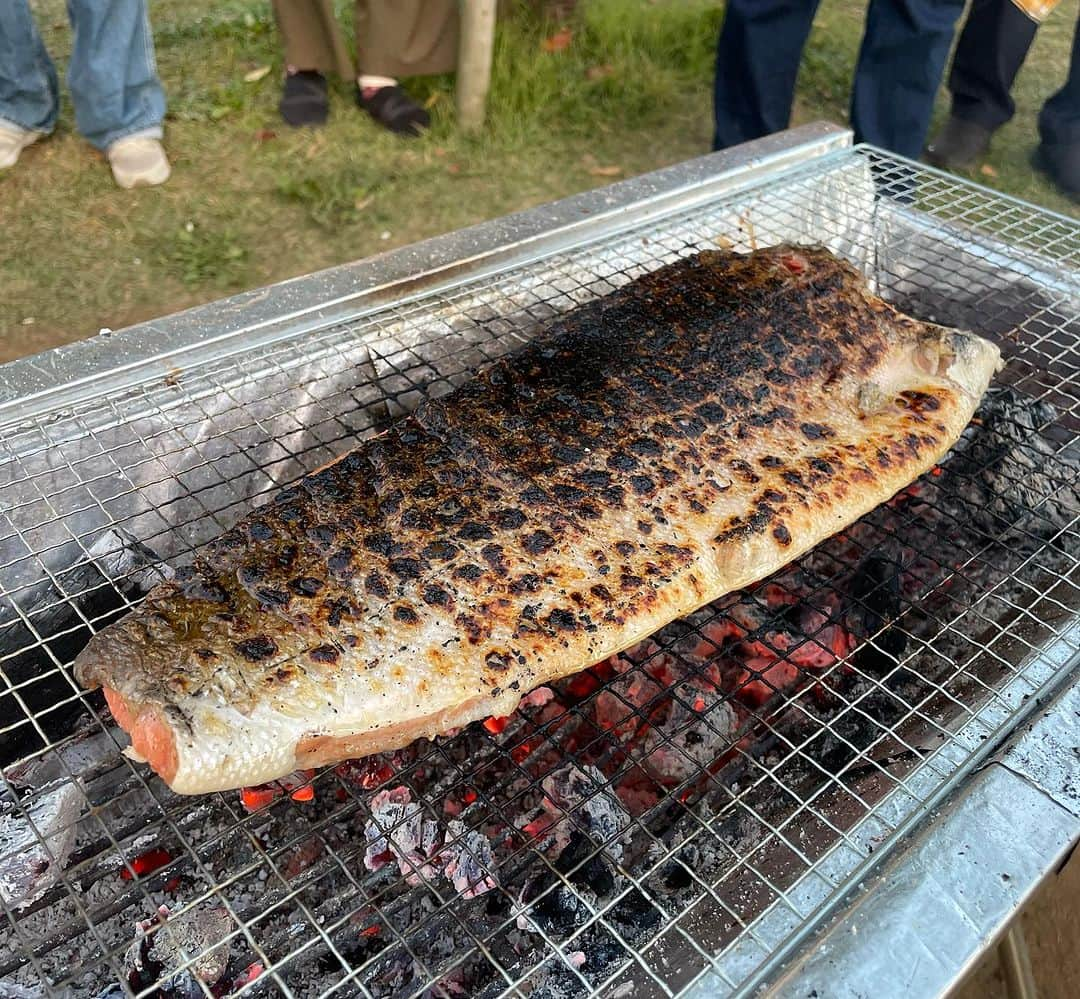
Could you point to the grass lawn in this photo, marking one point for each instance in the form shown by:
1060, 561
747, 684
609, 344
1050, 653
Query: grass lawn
251, 202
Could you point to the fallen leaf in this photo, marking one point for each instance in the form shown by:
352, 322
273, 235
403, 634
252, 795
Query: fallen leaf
558, 41
987, 170
605, 171
601, 72
256, 74
453, 168
265, 135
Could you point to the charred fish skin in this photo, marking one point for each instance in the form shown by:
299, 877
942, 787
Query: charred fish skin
648, 452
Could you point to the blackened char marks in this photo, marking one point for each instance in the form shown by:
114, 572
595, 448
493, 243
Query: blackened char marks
256, 649
629, 408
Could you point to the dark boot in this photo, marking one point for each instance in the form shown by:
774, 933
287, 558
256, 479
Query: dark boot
304, 101
959, 145
394, 109
1062, 165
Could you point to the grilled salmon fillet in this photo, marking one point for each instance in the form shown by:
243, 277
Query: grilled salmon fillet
648, 452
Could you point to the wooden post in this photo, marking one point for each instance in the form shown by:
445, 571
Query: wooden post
476, 39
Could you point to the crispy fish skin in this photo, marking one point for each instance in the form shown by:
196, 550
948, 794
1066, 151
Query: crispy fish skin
651, 450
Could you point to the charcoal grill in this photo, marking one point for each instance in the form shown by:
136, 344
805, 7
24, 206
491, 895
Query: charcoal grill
870, 827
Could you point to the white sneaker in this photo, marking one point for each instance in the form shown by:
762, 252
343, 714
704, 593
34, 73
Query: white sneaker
13, 140
138, 160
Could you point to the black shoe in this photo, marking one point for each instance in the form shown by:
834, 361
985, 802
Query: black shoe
394, 109
304, 101
959, 145
1062, 165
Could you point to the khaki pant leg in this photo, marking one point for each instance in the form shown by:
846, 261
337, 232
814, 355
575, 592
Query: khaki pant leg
312, 36
406, 37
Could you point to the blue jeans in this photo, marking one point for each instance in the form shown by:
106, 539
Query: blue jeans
112, 74
900, 65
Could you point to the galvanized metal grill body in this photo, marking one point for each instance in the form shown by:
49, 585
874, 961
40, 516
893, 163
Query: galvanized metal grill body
208, 413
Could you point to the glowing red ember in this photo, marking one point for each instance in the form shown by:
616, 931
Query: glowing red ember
496, 724
146, 863
296, 785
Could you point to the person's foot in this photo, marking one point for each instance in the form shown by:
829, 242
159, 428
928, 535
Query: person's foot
1062, 165
959, 145
394, 109
13, 140
304, 100
138, 160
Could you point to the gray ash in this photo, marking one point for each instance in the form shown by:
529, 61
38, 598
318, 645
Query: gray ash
577, 798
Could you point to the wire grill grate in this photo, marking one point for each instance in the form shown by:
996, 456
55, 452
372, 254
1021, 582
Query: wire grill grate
724, 853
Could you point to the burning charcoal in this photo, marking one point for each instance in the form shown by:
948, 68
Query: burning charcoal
455, 983
297, 785
398, 830
875, 603
635, 912
1007, 475
305, 856
699, 727
164, 946
371, 772
676, 877
537, 698
548, 904
467, 859
250, 974
577, 797
355, 951
554, 980
584, 867
119, 570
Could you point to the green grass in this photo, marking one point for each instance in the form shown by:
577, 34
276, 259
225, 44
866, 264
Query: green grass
251, 201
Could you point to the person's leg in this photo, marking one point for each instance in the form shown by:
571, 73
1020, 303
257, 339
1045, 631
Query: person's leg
1059, 129
29, 91
992, 47
112, 75
312, 38
989, 54
900, 65
757, 62
401, 38
314, 47
1059, 121
396, 38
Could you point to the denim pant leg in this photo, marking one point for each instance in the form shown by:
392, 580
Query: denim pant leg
900, 65
757, 61
29, 92
113, 76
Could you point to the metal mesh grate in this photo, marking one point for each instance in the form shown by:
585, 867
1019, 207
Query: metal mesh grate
754, 757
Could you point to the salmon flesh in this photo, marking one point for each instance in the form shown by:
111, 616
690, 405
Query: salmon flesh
648, 452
